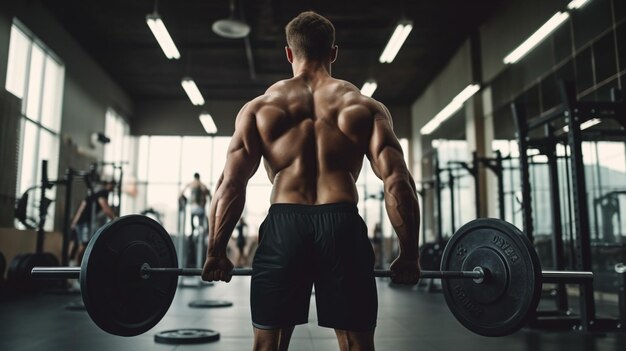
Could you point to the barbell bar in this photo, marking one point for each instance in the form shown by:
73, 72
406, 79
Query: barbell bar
145, 271
491, 276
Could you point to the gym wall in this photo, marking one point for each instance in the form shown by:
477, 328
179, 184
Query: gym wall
88, 90
589, 48
10, 107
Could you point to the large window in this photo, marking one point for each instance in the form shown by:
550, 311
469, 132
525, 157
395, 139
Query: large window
116, 151
164, 164
605, 176
116, 129
457, 203
35, 75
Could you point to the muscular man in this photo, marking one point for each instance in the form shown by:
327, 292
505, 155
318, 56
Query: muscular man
82, 222
312, 132
198, 196
241, 243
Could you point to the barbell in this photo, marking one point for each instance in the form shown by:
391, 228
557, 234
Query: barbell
490, 273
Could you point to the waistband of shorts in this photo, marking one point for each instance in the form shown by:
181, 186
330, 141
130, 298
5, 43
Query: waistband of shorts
341, 207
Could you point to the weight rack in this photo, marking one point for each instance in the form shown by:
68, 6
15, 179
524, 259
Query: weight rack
575, 113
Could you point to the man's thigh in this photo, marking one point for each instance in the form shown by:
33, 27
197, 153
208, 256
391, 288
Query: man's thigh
280, 290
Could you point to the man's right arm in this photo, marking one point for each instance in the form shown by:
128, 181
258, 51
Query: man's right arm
387, 160
79, 212
243, 158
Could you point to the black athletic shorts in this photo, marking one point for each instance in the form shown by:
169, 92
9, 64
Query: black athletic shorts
325, 245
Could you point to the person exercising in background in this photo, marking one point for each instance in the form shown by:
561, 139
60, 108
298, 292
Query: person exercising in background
83, 220
312, 132
198, 200
241, 243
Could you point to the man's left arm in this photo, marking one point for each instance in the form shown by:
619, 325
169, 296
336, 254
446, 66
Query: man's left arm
206, 191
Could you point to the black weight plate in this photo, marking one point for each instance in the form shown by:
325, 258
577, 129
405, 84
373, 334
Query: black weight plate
430, 256
502, 303
54, 261
38, 260
27, 261
427, 257
22, 264
14, 272
210, 304
116, 297
186, 336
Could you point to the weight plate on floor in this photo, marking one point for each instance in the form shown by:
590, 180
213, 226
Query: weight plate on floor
210, 303
503, 302
187, 336
116, 297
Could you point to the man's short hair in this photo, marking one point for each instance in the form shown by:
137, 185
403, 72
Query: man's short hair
310, 36
196, 175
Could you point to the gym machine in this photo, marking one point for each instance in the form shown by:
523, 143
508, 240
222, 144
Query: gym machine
573, 113
21, 265
494, 164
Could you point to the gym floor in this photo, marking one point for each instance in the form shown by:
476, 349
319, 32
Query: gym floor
409, 319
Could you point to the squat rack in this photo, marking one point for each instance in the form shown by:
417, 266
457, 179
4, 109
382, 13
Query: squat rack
575, 113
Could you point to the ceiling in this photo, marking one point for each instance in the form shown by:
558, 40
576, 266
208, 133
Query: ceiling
115, 34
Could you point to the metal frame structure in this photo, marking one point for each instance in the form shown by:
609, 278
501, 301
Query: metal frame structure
574, 112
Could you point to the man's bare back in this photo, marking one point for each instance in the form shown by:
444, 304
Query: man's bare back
312, 132
315, 131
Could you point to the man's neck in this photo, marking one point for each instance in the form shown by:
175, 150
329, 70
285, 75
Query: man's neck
310, 68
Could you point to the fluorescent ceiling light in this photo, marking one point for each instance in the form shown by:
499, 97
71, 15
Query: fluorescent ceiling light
395, 42
576, 4
162, 36
553, 23
208, 123
586, 124
450, 109
369, 88
192, 91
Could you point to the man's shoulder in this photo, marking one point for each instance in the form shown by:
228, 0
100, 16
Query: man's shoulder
280, 88
351, 96
344, 84
275, 95
350, 93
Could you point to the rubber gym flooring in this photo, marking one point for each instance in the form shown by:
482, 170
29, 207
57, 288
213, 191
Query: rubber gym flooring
409, 319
